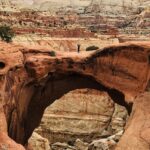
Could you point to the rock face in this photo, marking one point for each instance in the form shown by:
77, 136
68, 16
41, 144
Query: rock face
139, 122
84, 114
143, 19
7, 143
32, 79
36, 142
62, 44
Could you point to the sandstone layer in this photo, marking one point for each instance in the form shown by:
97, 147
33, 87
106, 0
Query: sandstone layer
84, 114
63, 44
32, 79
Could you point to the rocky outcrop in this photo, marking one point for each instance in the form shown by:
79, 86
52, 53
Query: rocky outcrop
108, 143
143, 19
32, 79
138, 128
7, 143
36, 142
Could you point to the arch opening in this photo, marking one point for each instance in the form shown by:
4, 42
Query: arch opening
55, 86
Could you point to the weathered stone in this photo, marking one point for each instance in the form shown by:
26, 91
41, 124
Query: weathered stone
6, 143
61, 146
108, 143
36, 142
80, 145
137, 134
79, 114
119, 118
102, 144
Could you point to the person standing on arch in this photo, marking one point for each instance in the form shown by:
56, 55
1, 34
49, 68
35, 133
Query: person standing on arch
78, 48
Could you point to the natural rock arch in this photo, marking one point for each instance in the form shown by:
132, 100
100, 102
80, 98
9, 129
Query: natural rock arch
30, 86
46, 93
43, 93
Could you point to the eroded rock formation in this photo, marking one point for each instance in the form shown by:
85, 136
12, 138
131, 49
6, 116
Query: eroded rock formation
36, 142
32, 79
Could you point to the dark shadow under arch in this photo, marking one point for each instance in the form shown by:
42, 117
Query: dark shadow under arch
53, 87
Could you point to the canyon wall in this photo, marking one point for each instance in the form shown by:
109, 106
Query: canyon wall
63, 44
85, 114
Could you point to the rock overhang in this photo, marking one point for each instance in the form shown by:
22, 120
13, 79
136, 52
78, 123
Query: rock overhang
123, 67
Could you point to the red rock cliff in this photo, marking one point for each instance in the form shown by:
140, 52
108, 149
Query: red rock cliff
32, 79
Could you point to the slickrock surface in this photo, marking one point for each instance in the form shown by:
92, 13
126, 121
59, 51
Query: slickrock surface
32, 79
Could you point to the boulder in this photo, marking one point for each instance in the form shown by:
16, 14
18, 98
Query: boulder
80, 145
62, 146
37, 142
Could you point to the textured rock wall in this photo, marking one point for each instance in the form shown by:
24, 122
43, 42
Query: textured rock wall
138, 128
83, 114
36, 142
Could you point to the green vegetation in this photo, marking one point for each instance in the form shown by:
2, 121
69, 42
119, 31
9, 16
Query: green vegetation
92, 48
52, 53
6, 33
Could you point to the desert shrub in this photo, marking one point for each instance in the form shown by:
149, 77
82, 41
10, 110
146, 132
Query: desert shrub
91, 48
6, 33
52, 53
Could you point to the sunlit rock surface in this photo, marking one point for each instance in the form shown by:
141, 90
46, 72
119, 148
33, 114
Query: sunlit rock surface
83, 114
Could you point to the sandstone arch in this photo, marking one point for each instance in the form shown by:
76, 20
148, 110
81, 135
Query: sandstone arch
36, 80
45, 93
